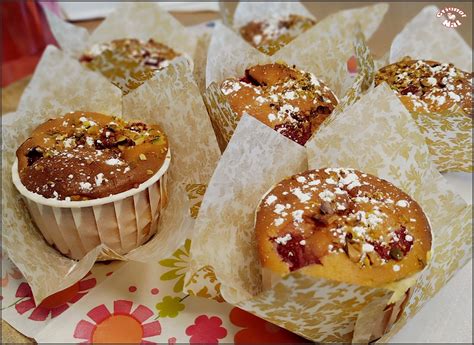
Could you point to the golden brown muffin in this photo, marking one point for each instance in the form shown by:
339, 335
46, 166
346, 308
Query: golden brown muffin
127, 63
343, 225
428, 86
271, 34
85, 155
291, 101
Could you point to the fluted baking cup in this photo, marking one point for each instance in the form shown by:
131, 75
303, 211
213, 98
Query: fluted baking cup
171, 99
121, 222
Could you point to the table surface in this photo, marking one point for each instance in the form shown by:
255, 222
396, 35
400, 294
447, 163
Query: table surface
397, 16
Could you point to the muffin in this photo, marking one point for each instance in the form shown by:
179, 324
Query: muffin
128, 63
343, 225
91, 179
291, 101
428, 86
271, 34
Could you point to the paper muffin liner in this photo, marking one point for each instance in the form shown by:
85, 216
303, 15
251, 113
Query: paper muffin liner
121, 222
227, 62
171, 99
141, 20
376, 135
368, 18
448, 134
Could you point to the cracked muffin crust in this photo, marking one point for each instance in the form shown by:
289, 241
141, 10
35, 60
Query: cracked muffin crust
271, 34
127, 63
291, 101
344, 225
85, 155
428, 86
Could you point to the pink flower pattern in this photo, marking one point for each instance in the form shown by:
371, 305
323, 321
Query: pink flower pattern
53, 305
206, 330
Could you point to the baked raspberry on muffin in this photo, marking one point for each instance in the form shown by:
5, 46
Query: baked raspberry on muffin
291, 101
428, 86
128, 62
269, 35
344, 225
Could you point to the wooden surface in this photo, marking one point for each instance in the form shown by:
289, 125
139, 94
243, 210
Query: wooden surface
398, 14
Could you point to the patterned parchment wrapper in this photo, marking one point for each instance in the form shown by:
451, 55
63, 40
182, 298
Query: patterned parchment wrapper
142, 20
247, 11
339, 38
369, 18
61, 84
376, 135
449, 135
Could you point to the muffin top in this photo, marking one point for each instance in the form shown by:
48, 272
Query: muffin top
271, 34
127, 63
428, 86
85, 155
344, 225
291, 101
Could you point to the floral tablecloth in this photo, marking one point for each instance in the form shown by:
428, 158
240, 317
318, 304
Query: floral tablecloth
131, 302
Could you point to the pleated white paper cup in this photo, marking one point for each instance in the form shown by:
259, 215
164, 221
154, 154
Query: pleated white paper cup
122, 221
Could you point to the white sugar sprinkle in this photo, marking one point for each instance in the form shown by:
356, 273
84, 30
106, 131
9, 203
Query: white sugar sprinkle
113, 161
327, 195
86, 186
402, 203
283, 240
303, 197
279, 208
270, 199
278, 221
367, 248
301, 179
99, 179
298, 216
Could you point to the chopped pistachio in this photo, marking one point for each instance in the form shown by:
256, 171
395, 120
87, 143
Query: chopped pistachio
142, 157
93, 130
354, 251
139, 141
149, 172
396, 253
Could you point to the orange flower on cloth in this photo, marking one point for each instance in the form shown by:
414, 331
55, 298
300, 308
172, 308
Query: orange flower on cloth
120, 326
53, 305
258, 331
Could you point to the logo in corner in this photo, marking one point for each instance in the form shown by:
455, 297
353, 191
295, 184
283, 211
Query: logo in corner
452, 16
